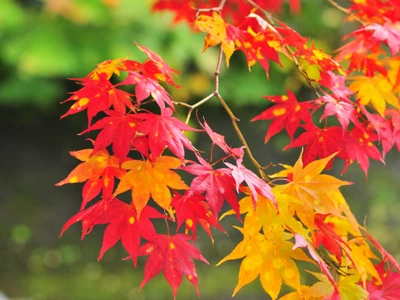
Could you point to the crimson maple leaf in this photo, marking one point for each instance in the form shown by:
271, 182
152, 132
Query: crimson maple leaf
359, 147
218, 185
155, 62
96, 96
118, 129
192, 209
172, 254
98, 213
165, 130
256, 48
326, 235
124, 224
286, 113
320, 143
383, 129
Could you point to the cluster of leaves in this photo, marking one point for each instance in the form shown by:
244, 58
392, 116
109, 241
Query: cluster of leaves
306, 218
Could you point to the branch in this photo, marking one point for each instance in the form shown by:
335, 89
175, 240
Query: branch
346, 11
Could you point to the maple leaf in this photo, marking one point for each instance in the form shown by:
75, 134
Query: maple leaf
172, 254
383, 129
113, 66
127, 226
389, 33
193, 209
146, 86
98, 170
96, 96
256, 48
377, 90
116, 129
389, 289
302, 243
310, 187
257, 186
359, 147
325, 234
336, 84
98, 213
286, 113
218, 185
216, 138
320, 143
165, 130
385, 255
165, 72
215, 27
147, 179
343, 110
272, 260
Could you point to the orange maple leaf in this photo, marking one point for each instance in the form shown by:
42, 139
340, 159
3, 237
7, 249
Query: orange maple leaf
147, 179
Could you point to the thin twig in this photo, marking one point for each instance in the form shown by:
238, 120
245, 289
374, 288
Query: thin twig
266, 13
218, 8
346, 11
234, 120
339, 7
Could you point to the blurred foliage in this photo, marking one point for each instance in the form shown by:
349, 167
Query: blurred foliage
45, 41
42, 42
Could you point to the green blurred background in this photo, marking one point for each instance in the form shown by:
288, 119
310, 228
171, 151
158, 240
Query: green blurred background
42, 42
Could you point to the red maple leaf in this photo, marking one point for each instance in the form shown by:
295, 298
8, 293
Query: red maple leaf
320, 143
326, 235
96, 96
98, 213
286, 113
218, 185
192, 209
165, 130
124, 224
343, 110
174, 255
389, 33
157, 63
383, 129
146, 86
358, 144
98, 170
336, 84
257, 186
390, 287
117, 129
395, 124
256, 48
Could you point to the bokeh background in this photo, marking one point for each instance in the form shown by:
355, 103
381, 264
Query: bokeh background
42, 42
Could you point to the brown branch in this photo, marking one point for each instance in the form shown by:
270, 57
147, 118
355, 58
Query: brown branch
346, 11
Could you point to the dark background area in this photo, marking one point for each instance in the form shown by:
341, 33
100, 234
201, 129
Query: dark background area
44, 42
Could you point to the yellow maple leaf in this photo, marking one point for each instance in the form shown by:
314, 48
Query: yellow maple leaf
215, 27
108, 67
311, 188
90, 166
146, 179
378, 90
271, 251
